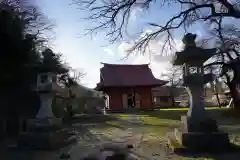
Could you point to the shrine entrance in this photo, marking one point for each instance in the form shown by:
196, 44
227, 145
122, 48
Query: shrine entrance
131, 100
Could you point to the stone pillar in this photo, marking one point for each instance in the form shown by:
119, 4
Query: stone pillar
195, 89
196, 110
45, 110
185, 70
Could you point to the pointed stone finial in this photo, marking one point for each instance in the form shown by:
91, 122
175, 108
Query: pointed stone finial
189, 40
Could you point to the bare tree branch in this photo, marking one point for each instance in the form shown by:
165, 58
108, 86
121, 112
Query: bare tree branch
112, 16
173, 75
77, 75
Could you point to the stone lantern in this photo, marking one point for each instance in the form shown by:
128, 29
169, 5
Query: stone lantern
198, 131
46, 131
194, 79
44, 88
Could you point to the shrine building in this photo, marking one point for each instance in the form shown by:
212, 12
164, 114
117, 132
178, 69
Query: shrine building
128, 86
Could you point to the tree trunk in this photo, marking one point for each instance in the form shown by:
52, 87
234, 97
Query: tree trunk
234, 95
218, 100
172, 98
236, 100
217, 97
173, 101
70, 110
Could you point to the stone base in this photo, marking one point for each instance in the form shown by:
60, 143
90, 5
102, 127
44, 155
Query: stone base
205, 125
45, 140
200, 135
46, 123
200, 141
45, 134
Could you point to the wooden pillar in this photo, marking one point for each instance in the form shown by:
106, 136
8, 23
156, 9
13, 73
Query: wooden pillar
124, 101
137, 100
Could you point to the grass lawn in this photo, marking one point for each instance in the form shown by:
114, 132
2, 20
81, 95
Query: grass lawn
170, 116
185, 109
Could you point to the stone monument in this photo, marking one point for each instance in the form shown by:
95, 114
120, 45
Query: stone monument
198, 131
46, 131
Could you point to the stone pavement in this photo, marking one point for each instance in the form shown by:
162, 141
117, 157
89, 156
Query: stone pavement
92, 138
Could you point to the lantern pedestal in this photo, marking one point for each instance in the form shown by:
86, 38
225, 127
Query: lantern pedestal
45, 134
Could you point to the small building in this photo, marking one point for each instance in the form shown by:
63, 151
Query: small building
163, 97
181, 94
128, 86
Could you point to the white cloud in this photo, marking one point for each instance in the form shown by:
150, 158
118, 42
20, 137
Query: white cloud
108, 51
92, 77
199, 34
158, 58
122, 48
157, 67
141, 59
156, 49
134, 13
147, 31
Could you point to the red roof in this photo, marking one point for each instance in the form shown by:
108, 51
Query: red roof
122, 75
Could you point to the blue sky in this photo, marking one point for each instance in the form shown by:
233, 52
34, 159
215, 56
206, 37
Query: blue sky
86, 52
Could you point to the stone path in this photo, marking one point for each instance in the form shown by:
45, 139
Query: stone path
92, 137
134, 119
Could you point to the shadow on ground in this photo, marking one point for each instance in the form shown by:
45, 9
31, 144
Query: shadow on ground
232, 153
84, 133
124, 124
92, 118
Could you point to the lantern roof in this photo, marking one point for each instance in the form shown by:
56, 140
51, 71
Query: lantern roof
192, 54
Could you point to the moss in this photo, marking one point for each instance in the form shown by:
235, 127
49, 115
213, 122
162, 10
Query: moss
174, 144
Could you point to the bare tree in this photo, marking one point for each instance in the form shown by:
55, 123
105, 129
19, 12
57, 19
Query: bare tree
215, 84
174, 76
70, 80
226, 63
36, 22
77, 75
113, 17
